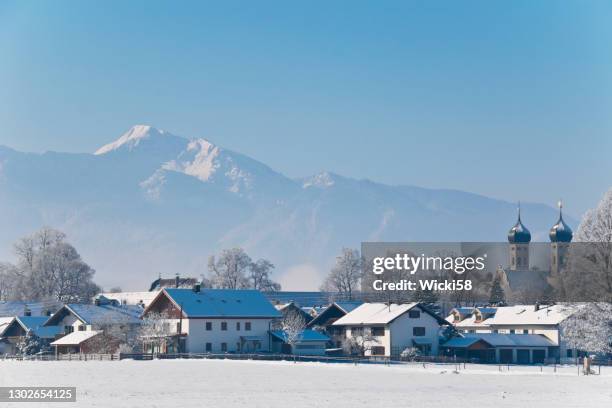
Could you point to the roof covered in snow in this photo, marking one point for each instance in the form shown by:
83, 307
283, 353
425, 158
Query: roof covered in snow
33, 323
528, 315
374, 313
14, 308
500, 340
4, 323
222, 303
306, 335
98, 314
75, 338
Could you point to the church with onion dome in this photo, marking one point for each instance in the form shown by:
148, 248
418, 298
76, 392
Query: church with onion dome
522, 280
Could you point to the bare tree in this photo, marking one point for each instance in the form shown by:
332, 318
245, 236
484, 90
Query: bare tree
234, 269
345, 276
230, 269
293, 325
259, 276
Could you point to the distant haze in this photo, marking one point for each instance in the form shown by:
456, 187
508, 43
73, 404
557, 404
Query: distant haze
153, 203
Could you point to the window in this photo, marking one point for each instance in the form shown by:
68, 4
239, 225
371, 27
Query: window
414, 314
357, 331
224, 347
512, 331
495, 331
418, 331
68, 329
224, 326
237, 326
81, 327
569, 353
247, 326
525, 331
378, 331
471, 331
208, 347
307, 346
208, 326
377, 351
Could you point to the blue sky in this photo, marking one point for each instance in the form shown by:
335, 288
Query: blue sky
506, 99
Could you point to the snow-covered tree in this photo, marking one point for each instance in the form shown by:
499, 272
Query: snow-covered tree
293, 325
29, 344
49, 267
589, 328
346, 275
154, 331
410, 353
596, 224
359, 342
115, 332
588, 276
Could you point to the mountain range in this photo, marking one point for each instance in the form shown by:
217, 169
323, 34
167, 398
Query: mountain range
155, 203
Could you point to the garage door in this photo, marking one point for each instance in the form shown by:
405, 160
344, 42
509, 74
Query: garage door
522, 356
505, 356
538, 356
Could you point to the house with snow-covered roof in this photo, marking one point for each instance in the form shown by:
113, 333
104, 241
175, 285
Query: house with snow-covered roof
544, 320
326, 318
291, 307
500, 348
390, 328
15, 329
213, 320
77, 342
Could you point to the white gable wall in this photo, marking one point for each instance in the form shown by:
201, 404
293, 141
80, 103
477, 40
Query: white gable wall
401, 330
198, 336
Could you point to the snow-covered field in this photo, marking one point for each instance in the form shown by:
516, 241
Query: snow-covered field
225, 383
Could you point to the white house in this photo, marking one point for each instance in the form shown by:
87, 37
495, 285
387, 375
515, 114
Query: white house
393, 328
520, 320
214, 320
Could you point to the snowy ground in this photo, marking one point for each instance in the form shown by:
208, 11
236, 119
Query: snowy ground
224, 383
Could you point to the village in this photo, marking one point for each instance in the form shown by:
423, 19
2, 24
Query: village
186, 317
179, 320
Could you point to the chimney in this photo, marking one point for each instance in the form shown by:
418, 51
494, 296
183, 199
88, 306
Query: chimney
536, 307
196, 288
27, 311
177, 279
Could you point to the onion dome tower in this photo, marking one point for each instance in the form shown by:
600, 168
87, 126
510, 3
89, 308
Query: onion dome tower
519, 238
560, 232
560, 237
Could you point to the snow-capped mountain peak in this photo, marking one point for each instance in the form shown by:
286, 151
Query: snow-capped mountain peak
132, 138
323, 179
197, 160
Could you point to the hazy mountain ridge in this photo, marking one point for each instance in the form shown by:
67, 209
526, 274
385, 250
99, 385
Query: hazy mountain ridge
152, 202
